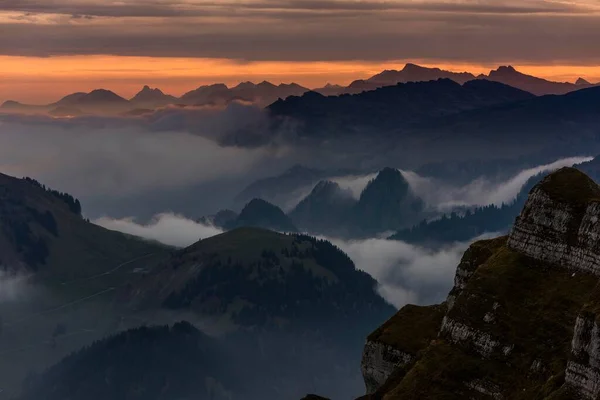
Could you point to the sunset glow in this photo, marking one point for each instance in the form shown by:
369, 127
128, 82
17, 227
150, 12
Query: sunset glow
47, 79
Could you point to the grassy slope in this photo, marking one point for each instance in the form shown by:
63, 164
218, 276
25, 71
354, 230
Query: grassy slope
73, 286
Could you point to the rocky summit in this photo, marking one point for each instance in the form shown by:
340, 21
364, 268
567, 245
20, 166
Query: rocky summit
522, 320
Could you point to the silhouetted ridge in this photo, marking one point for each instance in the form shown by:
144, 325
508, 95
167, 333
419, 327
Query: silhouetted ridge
325, 209
389, 108
387, 203
144, 363
262, 214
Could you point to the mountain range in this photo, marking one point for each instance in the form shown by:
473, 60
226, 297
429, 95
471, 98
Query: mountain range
390, 108
504, 74
107, 102
249, 286
386, 203
265, 93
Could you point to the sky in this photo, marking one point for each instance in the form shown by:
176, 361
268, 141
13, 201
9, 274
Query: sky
49, 48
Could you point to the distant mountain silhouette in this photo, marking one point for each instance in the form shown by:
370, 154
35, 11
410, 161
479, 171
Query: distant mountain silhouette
410, 73
70, 99
582, 82
106, 101
330, 90
391, 107
538, 86
325, 210
283, 188
387, 203
152, 98
263, 93
262, 214
96, 101
221, 219
150, 363
567, 119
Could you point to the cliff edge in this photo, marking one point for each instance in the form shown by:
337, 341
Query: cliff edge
522, 320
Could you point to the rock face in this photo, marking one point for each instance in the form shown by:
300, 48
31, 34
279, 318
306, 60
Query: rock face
393, 347
379, 362
583, 370
560, 227
522, 321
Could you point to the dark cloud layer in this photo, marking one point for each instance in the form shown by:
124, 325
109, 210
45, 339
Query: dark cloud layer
173, 8
474, 31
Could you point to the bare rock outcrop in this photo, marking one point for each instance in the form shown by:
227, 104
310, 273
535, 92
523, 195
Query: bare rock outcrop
522, 320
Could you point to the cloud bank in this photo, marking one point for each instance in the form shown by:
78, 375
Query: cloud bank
406, 273
482, 191
116, 161
472, 30
12, 288
167, 228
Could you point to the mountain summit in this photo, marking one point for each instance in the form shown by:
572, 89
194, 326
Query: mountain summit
538, 86
152, 98
410, 73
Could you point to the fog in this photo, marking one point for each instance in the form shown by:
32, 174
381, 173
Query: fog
127, 166
167, 228
482, 191
355, 183
406, 273
116, 162
12, 288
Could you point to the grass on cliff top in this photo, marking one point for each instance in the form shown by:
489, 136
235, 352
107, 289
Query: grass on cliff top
411, 329
570, 185
479, 252
532, 306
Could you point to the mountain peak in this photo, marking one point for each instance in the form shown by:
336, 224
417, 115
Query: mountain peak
101, 96
582, 82
412, 67
504, 70
266, 84
570, 185
262, 214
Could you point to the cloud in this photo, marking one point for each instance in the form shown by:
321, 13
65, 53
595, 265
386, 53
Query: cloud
167, 228
407, 273
183, 8
355, 183
473, 31
120, 157
481, 191
12, 288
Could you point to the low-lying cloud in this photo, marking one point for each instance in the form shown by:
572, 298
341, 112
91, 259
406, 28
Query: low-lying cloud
116, 161
443, 197
167, 228
479, 192
12, 288
355, 183
407, 273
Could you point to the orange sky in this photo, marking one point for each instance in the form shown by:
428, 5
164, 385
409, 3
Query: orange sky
34, 79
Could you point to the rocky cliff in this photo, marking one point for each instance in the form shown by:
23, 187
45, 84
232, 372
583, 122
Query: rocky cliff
522, 319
